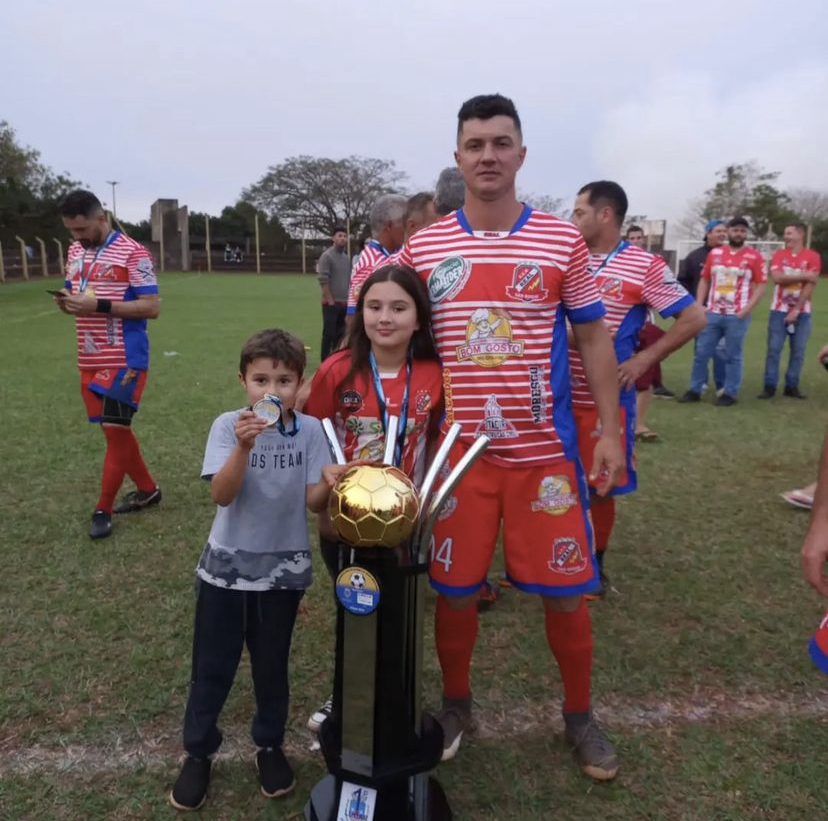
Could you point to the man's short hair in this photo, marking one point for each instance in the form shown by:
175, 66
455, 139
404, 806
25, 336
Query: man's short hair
800, 226
339, 229
387, 208
276, 345
603, 193
417, 204
486, 106
737, 222
633, 229
450, 192
81, 203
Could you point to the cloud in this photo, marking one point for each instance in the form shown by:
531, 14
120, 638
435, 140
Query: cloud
666, 144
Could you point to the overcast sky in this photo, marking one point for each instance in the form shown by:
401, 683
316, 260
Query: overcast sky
194, 100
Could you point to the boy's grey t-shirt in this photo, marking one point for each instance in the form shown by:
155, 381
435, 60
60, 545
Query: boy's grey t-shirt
260, 540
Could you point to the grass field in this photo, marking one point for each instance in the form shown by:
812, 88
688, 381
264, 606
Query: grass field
701, 669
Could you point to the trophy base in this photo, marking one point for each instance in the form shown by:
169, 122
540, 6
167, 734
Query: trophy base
327, 802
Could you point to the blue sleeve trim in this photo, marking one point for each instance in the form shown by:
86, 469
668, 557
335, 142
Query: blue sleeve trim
677, 307
143, 290
351, 310
589, 313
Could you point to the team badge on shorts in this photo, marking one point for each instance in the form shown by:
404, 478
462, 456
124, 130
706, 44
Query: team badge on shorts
357, 591
527, 283
555, 496
489, 340
567, 557
448, 278
494, 425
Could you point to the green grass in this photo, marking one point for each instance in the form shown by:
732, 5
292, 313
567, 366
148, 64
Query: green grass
95, 637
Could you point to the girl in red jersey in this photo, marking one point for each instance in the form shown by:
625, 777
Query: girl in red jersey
390, 367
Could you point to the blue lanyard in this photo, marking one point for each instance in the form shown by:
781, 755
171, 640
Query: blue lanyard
280, 425
378, 246
85, 279
398, 449
622, 245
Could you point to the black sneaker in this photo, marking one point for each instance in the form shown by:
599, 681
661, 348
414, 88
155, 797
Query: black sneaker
663, 393
795, 393
190, 789
101, 526
137, 500
725, 400
275, 774
455, 718
593, 750
768, 392
690, 396
321, 715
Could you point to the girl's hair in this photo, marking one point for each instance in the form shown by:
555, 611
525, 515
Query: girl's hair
422, 342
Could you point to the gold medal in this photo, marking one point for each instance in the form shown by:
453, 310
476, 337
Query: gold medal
89, 292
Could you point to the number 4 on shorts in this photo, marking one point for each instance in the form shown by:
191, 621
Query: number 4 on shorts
443, 555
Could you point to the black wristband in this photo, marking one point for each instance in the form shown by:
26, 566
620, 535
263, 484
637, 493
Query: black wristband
104, 306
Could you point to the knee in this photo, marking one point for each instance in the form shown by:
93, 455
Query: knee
565, 604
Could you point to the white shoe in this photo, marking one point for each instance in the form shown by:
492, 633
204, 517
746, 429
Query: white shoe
320, 716
719, 392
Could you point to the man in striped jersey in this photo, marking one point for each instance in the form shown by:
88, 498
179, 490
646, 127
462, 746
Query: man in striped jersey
111, 291
631, 282
503, 279
387, 226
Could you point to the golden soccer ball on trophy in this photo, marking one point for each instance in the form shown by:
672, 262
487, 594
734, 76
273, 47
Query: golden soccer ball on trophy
374, 506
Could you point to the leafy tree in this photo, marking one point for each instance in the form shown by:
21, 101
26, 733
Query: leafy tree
236, 224
30, 192
547, 203
318, 193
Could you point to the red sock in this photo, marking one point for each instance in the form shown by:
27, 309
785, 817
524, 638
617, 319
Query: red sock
455, 632
135, 466
113, 467
123, 456
570, 639
602, 509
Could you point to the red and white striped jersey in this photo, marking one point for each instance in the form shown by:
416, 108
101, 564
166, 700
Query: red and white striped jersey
355, 410
500, 302
630, 282
733, 274
786, 297
121, 270
373, 255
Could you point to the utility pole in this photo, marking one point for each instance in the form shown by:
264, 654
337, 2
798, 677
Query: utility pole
113, 183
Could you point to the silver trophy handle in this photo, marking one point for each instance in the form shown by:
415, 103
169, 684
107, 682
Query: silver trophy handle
446, 489
440, 459
391, 432
333, 441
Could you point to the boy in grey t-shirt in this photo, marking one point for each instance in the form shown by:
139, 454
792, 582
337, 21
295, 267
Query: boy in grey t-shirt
257, 562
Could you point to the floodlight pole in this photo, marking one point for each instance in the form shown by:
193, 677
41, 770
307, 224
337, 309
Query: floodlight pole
113, 183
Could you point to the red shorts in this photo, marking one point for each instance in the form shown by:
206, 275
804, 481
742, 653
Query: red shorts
589, 430
108, 398
650, 334
547, 532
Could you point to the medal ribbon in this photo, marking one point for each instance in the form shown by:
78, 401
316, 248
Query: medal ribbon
85, 279
383, 406
622, 246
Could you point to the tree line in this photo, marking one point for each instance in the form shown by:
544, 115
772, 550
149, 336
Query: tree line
312, 195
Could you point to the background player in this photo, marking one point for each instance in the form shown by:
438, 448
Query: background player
631, 281
795, 272
529, 269
111, 291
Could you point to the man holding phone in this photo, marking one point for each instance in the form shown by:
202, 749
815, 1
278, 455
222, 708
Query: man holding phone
111, 290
